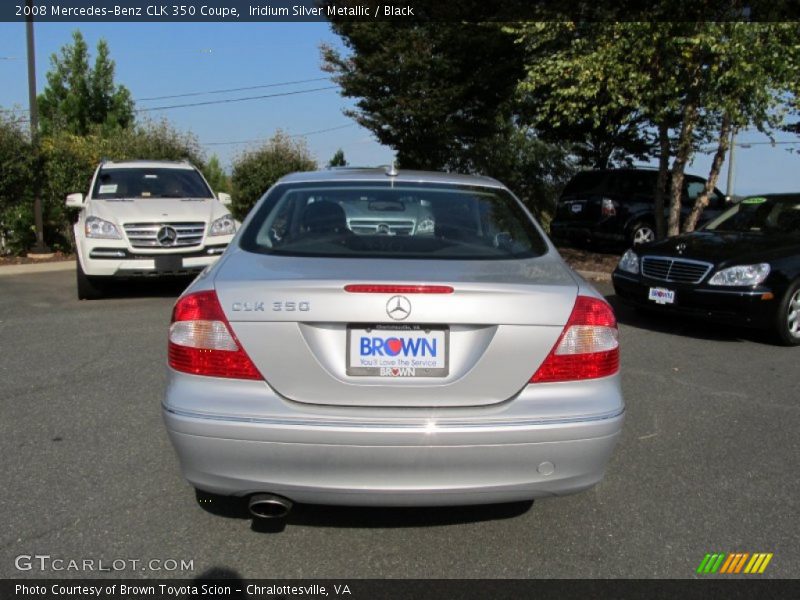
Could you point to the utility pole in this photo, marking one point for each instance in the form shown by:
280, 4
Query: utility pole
39, 248
731, 165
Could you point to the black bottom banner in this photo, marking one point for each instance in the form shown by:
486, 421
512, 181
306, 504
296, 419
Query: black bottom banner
368, 589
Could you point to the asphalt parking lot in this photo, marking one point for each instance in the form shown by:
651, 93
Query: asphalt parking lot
708, 462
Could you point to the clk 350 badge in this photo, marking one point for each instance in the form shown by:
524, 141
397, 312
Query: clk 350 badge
248, 306
279, 306
303, 306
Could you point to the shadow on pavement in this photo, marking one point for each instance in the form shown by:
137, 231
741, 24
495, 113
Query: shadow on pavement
362, 517
161, 287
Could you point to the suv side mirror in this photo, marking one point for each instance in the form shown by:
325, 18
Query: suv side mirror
224, 199
74, 200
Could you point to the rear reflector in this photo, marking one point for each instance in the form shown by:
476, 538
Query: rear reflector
376, 288
587, 348
201, 341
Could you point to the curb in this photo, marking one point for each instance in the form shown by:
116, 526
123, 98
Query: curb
62, 265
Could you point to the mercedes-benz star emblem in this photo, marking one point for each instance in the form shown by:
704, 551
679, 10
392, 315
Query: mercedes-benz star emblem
680, 248
167, 236
398, 308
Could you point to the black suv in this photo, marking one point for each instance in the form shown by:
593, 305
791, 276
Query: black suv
616, 205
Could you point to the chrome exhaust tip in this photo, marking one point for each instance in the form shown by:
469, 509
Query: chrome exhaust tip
268, 506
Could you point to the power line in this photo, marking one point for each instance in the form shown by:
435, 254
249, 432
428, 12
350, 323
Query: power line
239, 89
291, 136
190, 94
230, 100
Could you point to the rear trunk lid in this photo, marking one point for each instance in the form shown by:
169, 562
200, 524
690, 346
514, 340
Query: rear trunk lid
305, 333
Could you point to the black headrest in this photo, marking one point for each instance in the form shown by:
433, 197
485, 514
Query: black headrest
324, 217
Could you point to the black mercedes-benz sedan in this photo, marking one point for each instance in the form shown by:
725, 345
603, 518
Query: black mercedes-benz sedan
743, 267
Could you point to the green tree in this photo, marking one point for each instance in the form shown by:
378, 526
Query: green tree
578, 89
216, 177
691, 82
435, 92
16, 174
338, 160
255, 171
16, 184
78, 98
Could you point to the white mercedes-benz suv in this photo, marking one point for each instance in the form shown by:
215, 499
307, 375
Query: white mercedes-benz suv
146, 218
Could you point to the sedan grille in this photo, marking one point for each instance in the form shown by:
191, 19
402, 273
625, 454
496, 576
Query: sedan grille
165, 235
386, 226
677, 270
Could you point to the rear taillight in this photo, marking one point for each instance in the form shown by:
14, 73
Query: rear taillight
608, 208
201, 341
587, 348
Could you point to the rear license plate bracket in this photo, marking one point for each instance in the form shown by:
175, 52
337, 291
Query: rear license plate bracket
398, 351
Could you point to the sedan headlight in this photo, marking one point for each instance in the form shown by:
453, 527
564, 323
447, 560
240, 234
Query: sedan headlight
94, 227
225, 225
426, 226
629, 262
741, 275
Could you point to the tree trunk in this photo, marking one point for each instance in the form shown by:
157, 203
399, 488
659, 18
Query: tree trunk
661, 183
682, 155
713, 174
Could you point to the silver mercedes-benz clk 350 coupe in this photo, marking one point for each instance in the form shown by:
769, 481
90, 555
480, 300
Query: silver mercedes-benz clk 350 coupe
375, 337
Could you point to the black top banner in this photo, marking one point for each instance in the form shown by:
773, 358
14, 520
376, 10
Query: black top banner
232, 11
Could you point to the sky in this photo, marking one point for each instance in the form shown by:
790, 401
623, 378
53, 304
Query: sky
163, 59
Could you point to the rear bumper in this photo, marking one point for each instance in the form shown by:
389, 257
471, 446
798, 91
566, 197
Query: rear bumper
394, 462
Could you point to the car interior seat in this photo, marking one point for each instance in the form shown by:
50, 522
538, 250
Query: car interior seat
324, 217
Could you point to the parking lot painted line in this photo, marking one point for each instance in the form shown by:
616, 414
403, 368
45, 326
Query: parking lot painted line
63, 265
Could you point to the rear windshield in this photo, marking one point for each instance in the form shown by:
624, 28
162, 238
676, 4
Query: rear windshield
418, 221
150, 183
586, 183
625, 183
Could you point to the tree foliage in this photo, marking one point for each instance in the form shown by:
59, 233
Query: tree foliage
435, 91
16, 184
578, 88
16, 174
338, 159
79, 98
216, 177
255, 171
689, 82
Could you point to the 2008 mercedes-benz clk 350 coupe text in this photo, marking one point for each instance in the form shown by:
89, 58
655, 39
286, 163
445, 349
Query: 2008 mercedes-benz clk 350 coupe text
439, 352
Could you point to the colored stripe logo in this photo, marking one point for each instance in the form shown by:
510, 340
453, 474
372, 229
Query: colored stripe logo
734, 562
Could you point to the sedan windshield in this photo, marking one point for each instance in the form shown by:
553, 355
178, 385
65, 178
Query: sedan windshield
392, 221
150, 183
768, 215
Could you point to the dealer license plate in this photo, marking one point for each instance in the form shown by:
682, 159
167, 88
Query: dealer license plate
398, 351
661, 295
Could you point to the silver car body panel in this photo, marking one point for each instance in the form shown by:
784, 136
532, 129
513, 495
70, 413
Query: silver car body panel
313, 433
